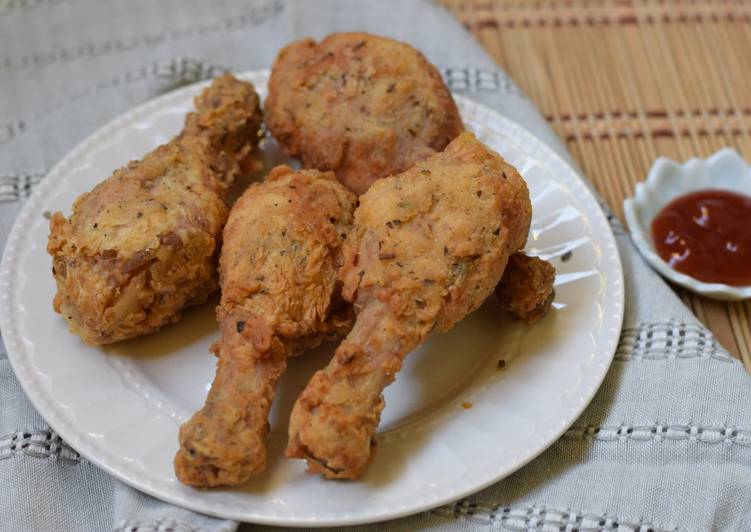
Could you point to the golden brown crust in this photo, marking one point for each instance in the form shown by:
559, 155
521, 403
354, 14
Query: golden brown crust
427, 248
142, 244
361, 105
526, 288
280, 294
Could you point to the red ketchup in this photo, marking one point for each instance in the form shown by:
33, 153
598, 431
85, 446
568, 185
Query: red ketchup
707, 235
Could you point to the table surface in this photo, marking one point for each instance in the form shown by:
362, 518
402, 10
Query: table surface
626, 81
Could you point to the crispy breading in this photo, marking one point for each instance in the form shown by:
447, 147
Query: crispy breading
280, 294
361, 105
526, 288
142, 245
427, 248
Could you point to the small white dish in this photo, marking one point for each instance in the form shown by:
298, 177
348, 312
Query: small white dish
724, 170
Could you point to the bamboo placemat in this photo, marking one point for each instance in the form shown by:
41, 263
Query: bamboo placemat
625, 81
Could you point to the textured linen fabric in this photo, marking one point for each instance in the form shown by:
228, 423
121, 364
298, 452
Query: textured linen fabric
665, 444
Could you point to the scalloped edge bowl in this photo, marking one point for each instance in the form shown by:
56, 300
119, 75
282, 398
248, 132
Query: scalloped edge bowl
724, 170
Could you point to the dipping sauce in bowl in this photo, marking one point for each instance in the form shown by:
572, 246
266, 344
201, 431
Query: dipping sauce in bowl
707, 235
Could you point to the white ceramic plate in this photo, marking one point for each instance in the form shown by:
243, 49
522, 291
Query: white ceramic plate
121, 406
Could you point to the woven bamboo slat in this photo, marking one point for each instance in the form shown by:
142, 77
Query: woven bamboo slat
626, 81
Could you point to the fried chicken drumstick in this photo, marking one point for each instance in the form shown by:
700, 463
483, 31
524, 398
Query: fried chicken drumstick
427, 248
526, 288
280, 295
143, 244
361, 105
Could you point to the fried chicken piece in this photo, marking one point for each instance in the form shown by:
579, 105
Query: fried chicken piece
142, 245
361, 105
280, 295
526, 288
427, 248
